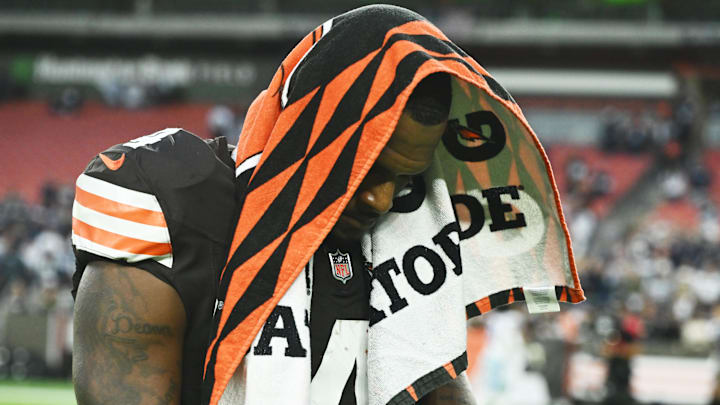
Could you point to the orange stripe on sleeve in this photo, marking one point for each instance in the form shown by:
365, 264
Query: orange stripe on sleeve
119, 242
119, 210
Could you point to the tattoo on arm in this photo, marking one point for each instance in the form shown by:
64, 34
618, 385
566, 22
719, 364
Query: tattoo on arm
122, 354
456, 392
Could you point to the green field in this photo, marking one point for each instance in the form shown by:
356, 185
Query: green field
36, 393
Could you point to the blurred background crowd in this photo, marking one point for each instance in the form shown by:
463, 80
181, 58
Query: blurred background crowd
623, 94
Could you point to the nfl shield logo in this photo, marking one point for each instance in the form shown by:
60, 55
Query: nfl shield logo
340, 266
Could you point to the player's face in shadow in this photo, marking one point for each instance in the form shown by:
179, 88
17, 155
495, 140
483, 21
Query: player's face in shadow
408, 152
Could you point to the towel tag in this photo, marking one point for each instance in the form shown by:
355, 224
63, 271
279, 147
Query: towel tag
541, 299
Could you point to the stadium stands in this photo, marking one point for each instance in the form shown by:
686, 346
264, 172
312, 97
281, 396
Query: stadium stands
56, 147
656, 288
608, 175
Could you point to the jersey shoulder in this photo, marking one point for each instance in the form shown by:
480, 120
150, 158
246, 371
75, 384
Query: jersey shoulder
129, 196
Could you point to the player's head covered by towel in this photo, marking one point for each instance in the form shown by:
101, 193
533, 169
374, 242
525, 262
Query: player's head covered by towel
311, 137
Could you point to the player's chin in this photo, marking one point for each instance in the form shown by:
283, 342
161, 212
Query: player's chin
350, 229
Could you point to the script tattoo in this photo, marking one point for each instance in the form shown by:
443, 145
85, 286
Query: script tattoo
124, 323
114, 340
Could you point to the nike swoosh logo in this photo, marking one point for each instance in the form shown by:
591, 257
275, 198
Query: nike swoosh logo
113, 164
469, 134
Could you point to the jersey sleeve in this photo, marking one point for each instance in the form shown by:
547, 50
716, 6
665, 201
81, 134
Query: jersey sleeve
117, 217
163, 203
119, 223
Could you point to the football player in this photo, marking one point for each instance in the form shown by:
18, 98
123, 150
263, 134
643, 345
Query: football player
152, 223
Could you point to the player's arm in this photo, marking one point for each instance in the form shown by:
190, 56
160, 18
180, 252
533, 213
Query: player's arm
128, 336
456, 392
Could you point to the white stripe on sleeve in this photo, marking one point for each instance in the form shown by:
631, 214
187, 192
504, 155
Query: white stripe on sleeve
135, 230
118, 194
104, 251
152, 138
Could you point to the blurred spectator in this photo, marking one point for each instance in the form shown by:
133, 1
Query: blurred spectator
576, 173
640, 136
675, 186
13, 210
663, 129
504, 378
699, 176
135, 96
602, 184
69, 101
614, 131
12, 268
221, 121
621, 346
684, 117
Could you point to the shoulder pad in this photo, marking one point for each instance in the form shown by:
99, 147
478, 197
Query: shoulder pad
116, 213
